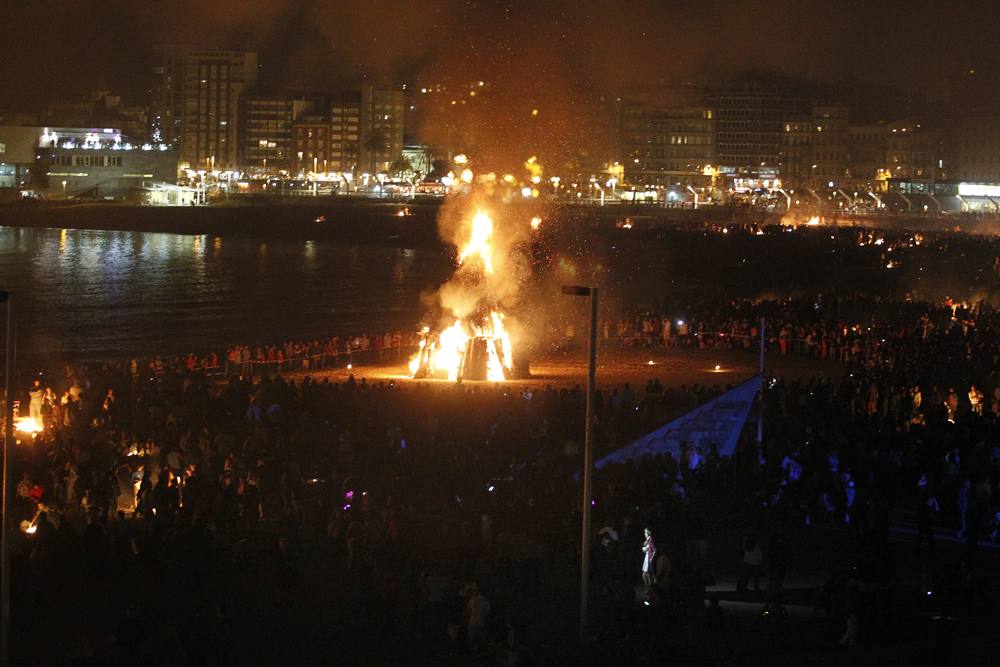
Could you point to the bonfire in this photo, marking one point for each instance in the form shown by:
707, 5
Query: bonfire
476, 345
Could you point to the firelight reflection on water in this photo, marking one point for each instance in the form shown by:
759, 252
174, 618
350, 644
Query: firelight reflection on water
101, 294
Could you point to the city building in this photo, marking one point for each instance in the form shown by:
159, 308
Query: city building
750, 120
666, 137
166, 100
266, 130
381, 128
310, 145
667, 146
419, 158
796, 163
97, 108
866, 163
914, 152
18, 154
322, 144
829, 147
453, 117
345, 133
99, 164
201, 88
975, 146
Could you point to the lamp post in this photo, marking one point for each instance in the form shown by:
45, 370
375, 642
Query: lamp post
8, 443
695, 193
588, 454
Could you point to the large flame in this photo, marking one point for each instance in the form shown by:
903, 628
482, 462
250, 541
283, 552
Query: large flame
480, 242
451, 353
477, 345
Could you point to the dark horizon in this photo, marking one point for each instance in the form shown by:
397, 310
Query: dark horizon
572, 50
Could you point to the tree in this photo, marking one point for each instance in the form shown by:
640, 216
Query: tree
401, 166
376, 142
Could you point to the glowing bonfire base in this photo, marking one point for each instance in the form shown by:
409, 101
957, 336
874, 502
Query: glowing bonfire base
478, 353
479, 360
481, 356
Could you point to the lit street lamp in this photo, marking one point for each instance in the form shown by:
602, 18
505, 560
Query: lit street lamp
64, 189
695, 193
588, 454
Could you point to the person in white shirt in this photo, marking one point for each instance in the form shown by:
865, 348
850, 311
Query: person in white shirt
649, 562
477, 614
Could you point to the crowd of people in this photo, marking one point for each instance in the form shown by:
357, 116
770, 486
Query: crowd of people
450, 513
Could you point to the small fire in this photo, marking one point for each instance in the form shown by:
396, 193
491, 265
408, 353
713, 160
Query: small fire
813, 221
28, 425
536, 222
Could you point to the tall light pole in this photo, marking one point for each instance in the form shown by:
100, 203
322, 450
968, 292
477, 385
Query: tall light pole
695, 193
588, 453
8, 443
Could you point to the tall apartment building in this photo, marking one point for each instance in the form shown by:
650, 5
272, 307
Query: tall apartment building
195, 102
662, 144
381, 128
750, 117
795, 168
976, 148
166, 102
266, 129
345, 134
866, 165
829, 146
666, 135
814, 148
328, 143
913, 151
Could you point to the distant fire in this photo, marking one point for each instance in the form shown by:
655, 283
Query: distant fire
28, 425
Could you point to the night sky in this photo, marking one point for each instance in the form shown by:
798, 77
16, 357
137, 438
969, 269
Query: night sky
556, 55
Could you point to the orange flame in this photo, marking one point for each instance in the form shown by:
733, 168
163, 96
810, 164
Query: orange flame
480, 242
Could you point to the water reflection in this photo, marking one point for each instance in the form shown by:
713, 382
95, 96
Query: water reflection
109, 294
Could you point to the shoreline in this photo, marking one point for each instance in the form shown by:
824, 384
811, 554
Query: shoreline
414, 223
313, 221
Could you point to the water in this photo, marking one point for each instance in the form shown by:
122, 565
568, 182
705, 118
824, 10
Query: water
104, 294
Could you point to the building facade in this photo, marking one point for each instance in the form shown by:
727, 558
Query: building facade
976, 148
310, 145
166, 99
866, 164
914, 151
667, 145
266, 130
18, 154
201, 88
750, 118
325, 144
829, 147
345, 133
380, 133
99, 164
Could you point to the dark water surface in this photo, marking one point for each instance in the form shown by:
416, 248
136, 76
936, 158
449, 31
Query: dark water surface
101, 294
